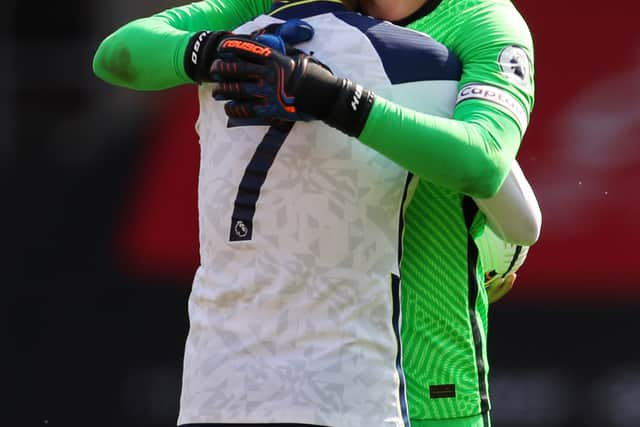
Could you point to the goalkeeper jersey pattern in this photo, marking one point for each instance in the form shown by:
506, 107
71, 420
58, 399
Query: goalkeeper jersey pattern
494, 43
295, 309
444, 309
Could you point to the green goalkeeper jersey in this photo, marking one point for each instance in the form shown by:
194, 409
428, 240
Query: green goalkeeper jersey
444, 305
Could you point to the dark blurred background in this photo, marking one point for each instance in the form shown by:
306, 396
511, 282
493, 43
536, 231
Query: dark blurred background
103, 243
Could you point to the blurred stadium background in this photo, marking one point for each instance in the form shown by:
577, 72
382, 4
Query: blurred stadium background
103, 246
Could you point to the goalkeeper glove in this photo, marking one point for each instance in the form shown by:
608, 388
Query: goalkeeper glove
262, 81
499, 287
202, 50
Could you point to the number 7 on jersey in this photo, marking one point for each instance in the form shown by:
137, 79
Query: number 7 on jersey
255, 174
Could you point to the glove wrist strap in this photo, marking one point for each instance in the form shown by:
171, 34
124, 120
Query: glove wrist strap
351, 110
200, 54
338, 102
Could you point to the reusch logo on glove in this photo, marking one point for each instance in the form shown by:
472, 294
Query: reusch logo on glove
247, 46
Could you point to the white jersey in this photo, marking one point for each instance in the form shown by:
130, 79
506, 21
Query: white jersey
293, 313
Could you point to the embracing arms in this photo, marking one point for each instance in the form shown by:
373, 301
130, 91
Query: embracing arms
149, 53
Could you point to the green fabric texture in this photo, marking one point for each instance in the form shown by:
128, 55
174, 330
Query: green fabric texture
437, 327
464, 156
148, 53
473, 152
470, 154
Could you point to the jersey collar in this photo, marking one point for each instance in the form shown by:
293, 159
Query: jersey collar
305, 8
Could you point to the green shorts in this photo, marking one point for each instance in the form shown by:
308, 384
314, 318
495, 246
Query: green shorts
482, 420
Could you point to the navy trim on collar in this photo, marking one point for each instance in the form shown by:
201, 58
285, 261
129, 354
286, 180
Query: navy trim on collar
303, 9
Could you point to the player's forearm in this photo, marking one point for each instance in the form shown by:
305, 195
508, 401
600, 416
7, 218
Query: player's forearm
513, 213
148, 54
471, 156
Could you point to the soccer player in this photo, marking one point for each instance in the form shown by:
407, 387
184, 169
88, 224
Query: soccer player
218, 388
452, 159
294, 313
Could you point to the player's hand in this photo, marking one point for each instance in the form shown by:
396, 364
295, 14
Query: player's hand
262, 81
292, 32
202, 49
499, 287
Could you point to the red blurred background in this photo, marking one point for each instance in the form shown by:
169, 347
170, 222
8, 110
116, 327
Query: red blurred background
106, 237
581, 154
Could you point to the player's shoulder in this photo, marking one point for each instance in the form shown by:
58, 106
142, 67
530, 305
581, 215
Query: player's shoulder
500, 21
408, 55
490, 32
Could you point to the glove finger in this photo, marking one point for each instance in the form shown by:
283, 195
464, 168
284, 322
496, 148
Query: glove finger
278, 113
269, 29
249, 50
236, 70
295, 31
241, 109
500, 288
273, 41
235, 90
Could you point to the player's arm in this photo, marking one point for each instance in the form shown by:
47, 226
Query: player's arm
149, 53
513, 213
474, 151
471, 153
470, 156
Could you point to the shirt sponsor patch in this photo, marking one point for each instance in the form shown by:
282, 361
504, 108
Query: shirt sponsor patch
514, 63
497, 96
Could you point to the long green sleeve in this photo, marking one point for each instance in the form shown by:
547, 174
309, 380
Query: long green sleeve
472, 153
147, 54
471, 156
